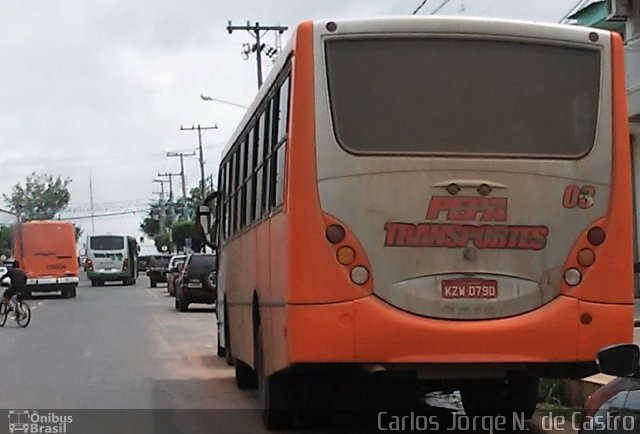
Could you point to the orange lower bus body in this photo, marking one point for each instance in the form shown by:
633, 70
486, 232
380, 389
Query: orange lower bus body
369, 330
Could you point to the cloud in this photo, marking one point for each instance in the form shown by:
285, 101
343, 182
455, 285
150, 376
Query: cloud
101, 87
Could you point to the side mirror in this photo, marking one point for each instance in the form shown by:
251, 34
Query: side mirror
619, 360
206, 219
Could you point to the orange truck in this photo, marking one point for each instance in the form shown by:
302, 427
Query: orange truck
48, 255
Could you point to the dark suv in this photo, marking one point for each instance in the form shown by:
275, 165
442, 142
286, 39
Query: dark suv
158, 268
197, 281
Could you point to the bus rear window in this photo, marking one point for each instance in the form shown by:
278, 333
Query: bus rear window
107, 243
463, 96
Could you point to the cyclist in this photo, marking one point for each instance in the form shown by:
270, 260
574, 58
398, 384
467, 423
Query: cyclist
18, 283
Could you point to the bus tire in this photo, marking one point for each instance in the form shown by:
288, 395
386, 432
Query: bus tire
522, 393
94, 283
65, 293
228, 353
517, 394
183, 305
73, 291
275, 393
153, 283
221, 352
246, 377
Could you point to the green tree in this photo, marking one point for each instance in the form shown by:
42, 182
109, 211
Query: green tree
6, 240
41, 198
162, 240
150, 225
184, 229
78, 232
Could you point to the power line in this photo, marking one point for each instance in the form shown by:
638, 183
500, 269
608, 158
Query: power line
443, 4
420, 7
105, 215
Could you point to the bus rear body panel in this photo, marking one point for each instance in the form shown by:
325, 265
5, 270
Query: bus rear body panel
468, 246
112, 257
46, 251
468, 200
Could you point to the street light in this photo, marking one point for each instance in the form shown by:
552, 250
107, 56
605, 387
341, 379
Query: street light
206, 97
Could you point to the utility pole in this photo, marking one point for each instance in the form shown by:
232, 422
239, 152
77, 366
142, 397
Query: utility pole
163, 211
182, 155
170, 176
93, 223
201, 157
171, 204
257, 47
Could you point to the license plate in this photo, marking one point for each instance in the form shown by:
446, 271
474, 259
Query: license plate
469, 288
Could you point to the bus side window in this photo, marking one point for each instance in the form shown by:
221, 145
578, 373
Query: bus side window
225, 200
253, 199
281, 142
266, 149
250, 193
242, 209
258, 174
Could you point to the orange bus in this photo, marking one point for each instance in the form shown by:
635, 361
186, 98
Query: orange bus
445, 198
47, 252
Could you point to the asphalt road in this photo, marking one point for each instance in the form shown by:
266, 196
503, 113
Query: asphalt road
119, 347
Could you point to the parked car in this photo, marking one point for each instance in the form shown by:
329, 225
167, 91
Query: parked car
175, 266
615, 407
198, 281
158, 268
143, 263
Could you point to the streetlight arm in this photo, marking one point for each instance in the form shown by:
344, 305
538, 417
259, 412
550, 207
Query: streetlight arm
210, 98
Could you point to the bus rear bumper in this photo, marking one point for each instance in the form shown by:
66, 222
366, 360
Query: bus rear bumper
108, 276
369, 330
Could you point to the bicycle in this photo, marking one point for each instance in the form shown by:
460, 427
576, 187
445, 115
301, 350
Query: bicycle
22, 312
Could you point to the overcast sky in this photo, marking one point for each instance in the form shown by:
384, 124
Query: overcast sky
100, 88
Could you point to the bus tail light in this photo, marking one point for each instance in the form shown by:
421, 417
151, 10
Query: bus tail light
572, 276
586, 257
349, 253
346, 255
89, 264
335, 234
596, 235
125, 264
359, 275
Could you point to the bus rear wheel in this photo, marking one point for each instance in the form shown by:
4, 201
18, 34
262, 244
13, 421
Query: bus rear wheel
228, 354
516, 395
275, 394
245, 376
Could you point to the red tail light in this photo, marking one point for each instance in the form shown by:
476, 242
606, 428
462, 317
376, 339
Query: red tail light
125, 264
89, 264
